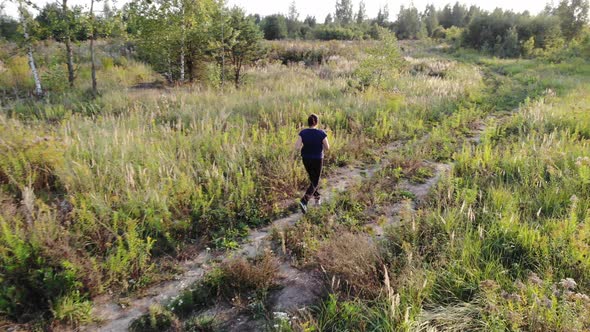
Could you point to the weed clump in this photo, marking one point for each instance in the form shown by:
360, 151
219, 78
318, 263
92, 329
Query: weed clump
238, 281
354, 261
158, 319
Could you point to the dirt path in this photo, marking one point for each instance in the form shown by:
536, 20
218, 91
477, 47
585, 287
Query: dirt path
115, 317
298, 289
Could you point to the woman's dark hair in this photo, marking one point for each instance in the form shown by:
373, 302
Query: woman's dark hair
313, 120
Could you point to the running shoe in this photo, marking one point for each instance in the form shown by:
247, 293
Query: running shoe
303, 207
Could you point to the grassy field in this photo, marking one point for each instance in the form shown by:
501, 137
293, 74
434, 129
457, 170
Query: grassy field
502, 244
105, 196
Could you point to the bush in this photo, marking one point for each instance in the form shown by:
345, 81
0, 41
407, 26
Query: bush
31, 280
157, 320
15, 75
334, 32
309, 54
29, 160
354, 261
72, 309
201, 324
241, 276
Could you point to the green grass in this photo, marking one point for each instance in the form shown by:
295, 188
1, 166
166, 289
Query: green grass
135, 175
94, 193
503, 242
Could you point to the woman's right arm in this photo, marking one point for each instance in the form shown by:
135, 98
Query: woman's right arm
298, 143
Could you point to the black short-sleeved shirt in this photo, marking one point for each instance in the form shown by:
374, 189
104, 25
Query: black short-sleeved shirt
313, 147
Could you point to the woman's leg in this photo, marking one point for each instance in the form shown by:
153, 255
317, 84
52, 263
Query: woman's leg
314, 171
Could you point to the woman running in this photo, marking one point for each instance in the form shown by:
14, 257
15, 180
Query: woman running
312, 142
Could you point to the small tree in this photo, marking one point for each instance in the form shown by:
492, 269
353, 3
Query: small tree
243, 46
361, 15
68, 20
310, 21
408, 25
382, 16
274, 27
92, 56
573, 15
293, 21
510, 46
344, 12
430, 20
25, 19
382, 60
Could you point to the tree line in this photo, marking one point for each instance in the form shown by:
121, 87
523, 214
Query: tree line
182, 39
188, 40
500, 32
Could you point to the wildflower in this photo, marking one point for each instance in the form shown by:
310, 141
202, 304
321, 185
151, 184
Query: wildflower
281, 315
568, 283
582, 161
488, 284
582, 297
514, 297
548, 302
534, 279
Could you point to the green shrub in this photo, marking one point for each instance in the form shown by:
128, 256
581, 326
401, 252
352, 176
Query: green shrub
31, 281
16, 75
72, 309
29, 159
128, 264
157, 320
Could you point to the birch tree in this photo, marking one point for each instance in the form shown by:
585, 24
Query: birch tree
68, 42
25, 17
92, 56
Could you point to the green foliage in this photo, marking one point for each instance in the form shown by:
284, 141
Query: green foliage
8, 27
430, 19
31, 280
54, 23
72, 309
201, 324
408, 24
336, 32
382, 61
311, 54
157, 320
15, 75
502, 242
274, 27
128, 264
343, 12
29, 159
188, 33
243, 42
573, 15
115, 203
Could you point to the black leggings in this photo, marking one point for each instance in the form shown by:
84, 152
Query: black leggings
314, 171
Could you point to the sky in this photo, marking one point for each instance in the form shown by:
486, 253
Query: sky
321, 8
